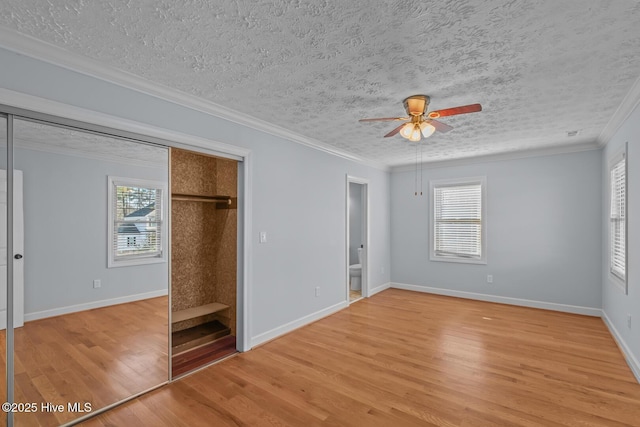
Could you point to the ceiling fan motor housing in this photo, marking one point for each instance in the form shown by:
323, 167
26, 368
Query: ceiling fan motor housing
416, 105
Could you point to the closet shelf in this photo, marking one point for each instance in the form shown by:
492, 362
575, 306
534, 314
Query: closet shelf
197, 198
193, 312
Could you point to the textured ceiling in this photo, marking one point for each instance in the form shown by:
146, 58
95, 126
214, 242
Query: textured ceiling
539, 68
62, 140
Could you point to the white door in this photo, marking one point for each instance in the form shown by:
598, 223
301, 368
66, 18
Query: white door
18, 248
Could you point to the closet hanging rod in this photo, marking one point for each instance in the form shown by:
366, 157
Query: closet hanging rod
208, 199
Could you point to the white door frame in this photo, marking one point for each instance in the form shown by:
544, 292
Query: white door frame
365, 234
18, 248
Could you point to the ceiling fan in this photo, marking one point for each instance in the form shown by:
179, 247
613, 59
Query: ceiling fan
422, 124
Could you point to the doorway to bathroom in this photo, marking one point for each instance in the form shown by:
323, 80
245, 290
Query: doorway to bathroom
357, 238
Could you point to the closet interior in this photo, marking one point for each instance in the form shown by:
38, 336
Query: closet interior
204, 224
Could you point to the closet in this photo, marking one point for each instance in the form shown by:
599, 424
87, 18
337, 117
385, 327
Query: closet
203, 258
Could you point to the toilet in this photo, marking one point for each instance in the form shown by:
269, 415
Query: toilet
355, 273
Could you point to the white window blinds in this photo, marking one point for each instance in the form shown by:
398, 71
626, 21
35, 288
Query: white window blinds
617, 216
458, 220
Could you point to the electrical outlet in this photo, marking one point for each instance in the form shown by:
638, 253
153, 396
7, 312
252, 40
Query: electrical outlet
629, 321
97, 284
317, 291
263, 237
381, 270
489, 278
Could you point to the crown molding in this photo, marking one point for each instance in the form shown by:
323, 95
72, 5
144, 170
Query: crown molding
40, 50
626, 107
538, 152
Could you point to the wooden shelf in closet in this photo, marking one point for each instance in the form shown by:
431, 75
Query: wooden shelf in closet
193, 312
198, 335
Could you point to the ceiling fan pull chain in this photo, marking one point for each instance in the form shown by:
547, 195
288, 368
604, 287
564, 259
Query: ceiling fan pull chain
421, 167
416, 177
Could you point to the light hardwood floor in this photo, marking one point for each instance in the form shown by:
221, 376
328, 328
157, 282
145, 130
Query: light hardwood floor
409, 359
354, 295
99, 356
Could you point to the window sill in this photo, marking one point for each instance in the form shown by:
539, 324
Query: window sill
618, 283
461, 260
129, 262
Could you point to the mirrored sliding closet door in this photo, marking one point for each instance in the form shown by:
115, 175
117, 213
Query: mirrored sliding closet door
94, 327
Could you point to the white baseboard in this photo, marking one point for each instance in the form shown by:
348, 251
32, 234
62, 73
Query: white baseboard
380, 288
288, 327
94, 304
624, 348
588, 311
3, 321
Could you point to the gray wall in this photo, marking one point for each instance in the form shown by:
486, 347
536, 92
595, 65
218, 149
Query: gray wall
615, 304
65, 239
355, 221
298, 193
542, 214
299, 200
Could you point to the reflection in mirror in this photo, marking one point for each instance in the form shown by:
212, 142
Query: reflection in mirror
95, 271
3, 266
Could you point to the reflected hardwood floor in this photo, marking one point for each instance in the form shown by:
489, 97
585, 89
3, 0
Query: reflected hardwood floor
99, 356
409, 359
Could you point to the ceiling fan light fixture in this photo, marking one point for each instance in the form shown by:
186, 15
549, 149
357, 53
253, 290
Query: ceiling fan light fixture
416, 133
427, 129
406, 130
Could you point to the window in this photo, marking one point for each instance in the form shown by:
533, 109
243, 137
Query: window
618, 219
136, 222
458, 231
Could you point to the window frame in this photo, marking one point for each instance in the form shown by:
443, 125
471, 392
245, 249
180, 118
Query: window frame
135, 259
618, 281
456, 182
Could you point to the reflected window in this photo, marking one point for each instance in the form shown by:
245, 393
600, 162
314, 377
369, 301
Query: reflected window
136, 212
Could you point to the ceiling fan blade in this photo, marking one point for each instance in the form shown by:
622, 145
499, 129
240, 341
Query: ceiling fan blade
440, 127
395, 131
384, 119
472, 108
